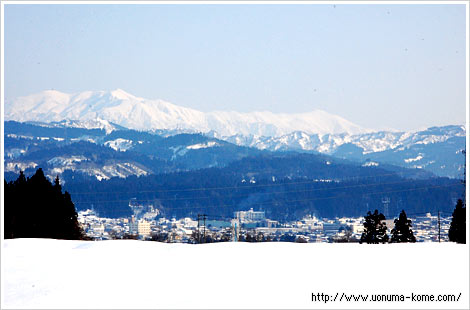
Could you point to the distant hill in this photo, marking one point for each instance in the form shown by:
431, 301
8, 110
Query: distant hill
120, 153
436, 150
286, 187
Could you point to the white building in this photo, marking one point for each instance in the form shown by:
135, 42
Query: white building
357, 228
140, 227
97, 228
143, 228
189, 223
250, 216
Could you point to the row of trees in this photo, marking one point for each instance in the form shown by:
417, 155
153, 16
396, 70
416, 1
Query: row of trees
375, 229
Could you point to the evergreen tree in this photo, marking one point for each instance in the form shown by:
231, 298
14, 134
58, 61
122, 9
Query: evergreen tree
402, 231
34, 208
375, 230
57, 185
10, 215
457, 226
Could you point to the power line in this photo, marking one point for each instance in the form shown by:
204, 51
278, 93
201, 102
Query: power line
271, 193
280, 192
247, 186
289, 201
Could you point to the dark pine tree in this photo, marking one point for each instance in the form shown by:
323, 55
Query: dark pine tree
402, 231
34, 208
10, 214
13, 215
375, 230
457, 226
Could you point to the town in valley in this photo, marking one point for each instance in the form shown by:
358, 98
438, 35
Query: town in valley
147, 224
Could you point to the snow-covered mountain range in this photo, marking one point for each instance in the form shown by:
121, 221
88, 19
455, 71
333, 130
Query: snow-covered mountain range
124, 109
436, 149
329, 143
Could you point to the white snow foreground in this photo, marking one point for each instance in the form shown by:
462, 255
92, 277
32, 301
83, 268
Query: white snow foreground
41, 273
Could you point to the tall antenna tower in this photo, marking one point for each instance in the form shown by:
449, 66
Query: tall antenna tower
386, 203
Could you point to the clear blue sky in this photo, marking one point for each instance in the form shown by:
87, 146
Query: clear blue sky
395, 66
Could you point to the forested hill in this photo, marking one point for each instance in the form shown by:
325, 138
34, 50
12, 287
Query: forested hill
287, 187
104, 167
105, 150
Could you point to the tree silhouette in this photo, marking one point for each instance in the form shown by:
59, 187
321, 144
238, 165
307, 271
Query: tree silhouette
34, 208
375, 230
457, 226
402, 231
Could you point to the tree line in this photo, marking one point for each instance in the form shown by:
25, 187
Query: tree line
36, 208
375, 229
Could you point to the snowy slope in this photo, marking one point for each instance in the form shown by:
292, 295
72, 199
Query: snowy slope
39, 273
436, 149
328, 143
59, 165
134, 112
88, 124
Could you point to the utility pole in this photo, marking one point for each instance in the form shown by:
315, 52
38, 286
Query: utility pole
198, 229
439, 224
204, 217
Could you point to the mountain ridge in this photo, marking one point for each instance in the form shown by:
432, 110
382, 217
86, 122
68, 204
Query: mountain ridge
138, 113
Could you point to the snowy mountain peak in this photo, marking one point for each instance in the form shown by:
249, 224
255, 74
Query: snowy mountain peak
124, 109
122, 95
52, 93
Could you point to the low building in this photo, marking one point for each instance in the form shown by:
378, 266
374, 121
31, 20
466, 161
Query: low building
97, 228
357, 228
331, 228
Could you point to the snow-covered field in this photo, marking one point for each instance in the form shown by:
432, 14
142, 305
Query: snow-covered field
38, 273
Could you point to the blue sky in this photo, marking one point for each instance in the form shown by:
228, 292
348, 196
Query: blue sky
380, 66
